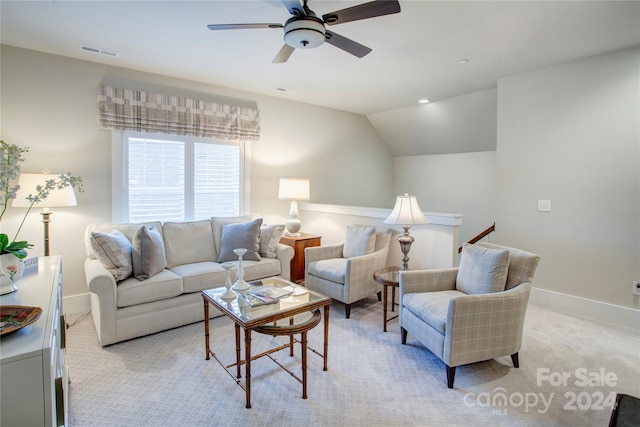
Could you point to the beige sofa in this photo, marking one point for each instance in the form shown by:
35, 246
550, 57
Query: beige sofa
129, 307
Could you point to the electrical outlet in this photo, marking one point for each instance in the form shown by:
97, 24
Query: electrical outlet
636, 287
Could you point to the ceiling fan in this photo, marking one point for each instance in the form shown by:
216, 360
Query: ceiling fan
304, 30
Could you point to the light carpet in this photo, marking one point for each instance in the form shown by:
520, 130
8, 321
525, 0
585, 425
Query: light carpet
570, 370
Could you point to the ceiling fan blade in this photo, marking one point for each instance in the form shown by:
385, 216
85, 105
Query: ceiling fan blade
241, 26
294, 7
346, 44
362, 11
283, 55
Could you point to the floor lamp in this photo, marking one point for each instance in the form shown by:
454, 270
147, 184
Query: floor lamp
59, 197
406, 213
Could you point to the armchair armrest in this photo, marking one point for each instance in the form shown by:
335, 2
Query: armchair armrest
414, 281
359, 274
318, 253
495, 321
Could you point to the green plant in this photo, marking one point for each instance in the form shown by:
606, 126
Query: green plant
10, 159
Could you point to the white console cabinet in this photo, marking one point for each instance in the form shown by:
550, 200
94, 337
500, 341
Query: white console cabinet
33, 375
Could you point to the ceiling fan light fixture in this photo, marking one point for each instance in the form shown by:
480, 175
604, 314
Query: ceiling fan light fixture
304, 32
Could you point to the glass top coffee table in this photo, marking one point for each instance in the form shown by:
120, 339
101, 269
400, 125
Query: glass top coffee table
263, 319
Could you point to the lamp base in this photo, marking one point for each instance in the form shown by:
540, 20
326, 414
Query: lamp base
405, 241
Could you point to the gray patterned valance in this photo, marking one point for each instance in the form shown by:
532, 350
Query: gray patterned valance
136, 110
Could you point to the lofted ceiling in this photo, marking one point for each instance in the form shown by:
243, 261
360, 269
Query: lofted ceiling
415, 55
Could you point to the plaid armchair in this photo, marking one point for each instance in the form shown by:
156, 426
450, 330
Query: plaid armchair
342, 274
470, 313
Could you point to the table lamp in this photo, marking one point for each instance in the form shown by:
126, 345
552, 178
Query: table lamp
58, 197
406, 213
293, 189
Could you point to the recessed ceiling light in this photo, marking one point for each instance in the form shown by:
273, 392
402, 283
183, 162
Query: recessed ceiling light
423, 101
287, 91
463, 61
99, 51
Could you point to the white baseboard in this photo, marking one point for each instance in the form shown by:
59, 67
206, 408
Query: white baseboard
76, 304
596, 310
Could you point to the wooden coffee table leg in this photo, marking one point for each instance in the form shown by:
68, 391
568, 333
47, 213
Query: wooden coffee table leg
303, 344
238, 370
384, 309
393, 298
206, 327
326, 336
291, 338
247, 369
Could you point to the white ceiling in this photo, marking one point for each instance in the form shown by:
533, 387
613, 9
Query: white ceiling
415, 53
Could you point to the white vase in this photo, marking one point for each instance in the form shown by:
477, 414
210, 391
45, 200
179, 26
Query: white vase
240, 284
11, 268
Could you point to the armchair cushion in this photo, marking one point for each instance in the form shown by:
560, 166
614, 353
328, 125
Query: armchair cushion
482, 270
431, 307
359, 240
333, 269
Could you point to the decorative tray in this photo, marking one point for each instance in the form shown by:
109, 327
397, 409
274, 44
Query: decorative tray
15, 317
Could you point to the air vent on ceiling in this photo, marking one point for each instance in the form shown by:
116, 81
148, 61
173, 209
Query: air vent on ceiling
99, 51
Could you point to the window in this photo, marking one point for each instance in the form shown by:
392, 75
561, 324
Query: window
176, 178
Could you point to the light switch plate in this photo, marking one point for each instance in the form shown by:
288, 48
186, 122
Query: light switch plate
544, 205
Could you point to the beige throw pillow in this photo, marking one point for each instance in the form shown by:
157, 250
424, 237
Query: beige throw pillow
482, 270
114, 252
269, 237
359, 240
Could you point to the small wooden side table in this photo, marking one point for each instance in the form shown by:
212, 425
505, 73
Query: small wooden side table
389, 277
298, 243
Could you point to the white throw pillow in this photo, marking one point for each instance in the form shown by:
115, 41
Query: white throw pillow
359, 240
482, 270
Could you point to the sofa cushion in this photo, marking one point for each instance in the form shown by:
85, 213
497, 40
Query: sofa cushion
333, 269
114, 252
128, 229
218, 222
482, 270
188, 242
431, 307
241, 235
359, 240
161, 286
148, 252
269, 237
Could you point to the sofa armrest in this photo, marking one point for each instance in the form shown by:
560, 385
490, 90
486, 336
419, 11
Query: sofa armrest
494, 320
102, 287
441, 279
285, 254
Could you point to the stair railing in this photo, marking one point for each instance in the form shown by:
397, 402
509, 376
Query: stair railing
480, 236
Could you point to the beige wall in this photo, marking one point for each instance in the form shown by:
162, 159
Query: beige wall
49, 104
571, 134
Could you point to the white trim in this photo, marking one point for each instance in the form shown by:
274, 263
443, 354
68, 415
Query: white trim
437, 218
77, 304
611, 313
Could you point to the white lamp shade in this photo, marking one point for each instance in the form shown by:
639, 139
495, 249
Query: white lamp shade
406, 212
56, 198
293, 189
